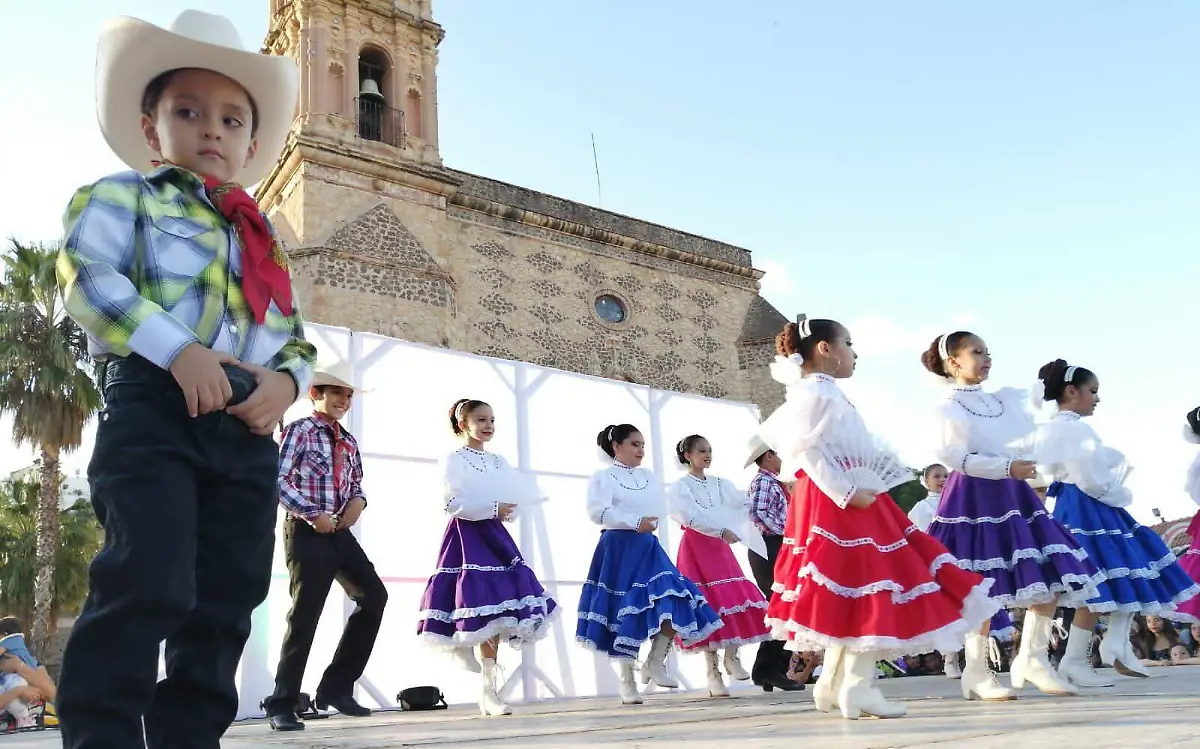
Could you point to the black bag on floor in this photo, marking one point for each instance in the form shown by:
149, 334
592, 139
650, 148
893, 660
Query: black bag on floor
421, 698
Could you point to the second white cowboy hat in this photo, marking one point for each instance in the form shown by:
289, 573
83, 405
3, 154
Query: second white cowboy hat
338, 374
132, 53
758, 448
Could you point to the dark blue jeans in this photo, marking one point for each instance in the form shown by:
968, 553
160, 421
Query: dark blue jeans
188, 508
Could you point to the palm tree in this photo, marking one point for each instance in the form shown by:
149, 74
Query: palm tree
79, 539
47, 386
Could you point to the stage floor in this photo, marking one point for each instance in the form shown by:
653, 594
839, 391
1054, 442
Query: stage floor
1160, 712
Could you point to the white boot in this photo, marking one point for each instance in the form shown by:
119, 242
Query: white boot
733, 665
490, 703
1117, 651
1075, 667
825, 691
629, 689
857, 694
978, 680
465, 657
716, 684
950, 665
655, 667
1032, 663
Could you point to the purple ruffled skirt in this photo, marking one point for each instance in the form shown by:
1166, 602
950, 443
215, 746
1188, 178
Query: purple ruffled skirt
1000, 528
482, 589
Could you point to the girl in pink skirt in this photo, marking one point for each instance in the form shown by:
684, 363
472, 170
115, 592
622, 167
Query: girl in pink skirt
714, 515
1189, 611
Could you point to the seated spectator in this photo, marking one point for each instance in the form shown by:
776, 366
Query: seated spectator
1154, 640
16, 661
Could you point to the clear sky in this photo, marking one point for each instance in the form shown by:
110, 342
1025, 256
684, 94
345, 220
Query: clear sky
1028, 169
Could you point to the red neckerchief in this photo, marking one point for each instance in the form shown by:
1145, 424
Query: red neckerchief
264, 266
340, 448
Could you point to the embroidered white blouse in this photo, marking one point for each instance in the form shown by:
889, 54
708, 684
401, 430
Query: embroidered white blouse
705, 505
1071, 452
923, 512
476, 483
982, 433
620, 496
814, 414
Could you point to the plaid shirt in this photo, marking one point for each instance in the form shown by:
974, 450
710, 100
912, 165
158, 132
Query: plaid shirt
149, 266
768, 503
306, 481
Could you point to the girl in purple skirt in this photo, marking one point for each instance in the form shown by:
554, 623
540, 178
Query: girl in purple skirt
993, 522
482, 590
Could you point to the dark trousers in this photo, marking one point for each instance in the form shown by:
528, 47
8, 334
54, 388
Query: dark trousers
188, 508
771, 657
314, 562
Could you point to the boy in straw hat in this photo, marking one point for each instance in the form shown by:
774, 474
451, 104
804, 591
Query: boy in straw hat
320, 487
183, 290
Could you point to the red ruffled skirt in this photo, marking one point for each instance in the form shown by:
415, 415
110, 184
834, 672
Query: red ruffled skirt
869, 581
710, 564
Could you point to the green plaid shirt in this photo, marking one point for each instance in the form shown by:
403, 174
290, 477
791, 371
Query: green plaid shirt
149, 266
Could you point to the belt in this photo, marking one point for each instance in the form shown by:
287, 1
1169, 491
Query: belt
137, 370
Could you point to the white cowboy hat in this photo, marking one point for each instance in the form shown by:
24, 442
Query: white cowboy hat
132, 53
758, 448
338, 375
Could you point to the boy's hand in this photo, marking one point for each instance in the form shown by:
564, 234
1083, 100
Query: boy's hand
505, 511
323, 524
729, 537
198, 371
276, 392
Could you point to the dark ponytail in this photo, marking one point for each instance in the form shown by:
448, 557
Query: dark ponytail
461, 411
1193, 421
614, 434
685, 446
802, 337
932, 358
1054, 378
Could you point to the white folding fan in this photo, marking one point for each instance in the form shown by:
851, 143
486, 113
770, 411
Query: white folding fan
862, 457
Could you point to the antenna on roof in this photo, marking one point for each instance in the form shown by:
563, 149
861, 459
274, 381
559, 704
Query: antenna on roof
596, 166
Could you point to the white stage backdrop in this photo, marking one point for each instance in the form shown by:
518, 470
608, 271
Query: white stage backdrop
546, 422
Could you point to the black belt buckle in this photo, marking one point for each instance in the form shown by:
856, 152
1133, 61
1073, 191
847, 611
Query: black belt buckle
241, 382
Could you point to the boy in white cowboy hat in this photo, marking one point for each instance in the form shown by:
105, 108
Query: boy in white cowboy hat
320, 487
768, 511
183, 290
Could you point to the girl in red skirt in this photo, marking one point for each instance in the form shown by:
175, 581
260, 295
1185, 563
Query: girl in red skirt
855, 577
714, 514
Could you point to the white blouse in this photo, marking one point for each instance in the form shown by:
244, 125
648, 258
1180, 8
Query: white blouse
923, 513
1193, 480
814, 415
619, 497
1071, 452
476, 482
706, 505
981, 433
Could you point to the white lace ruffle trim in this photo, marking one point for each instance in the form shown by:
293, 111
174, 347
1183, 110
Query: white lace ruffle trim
1038, 555
1067, 596
977, 608
735, 642
1167, 610
987, 519
627, 648
899, 594
517, 633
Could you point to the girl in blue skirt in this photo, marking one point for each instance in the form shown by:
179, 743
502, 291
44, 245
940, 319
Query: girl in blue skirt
633, 591
1141, 574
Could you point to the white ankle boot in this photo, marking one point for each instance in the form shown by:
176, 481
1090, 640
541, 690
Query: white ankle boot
825, 691
1075, 667
857, 694
1032, 664
490, 703
655, 667
716, 684
950, 666
978, 679
465, 657
1117, 651
733, 665
629, 688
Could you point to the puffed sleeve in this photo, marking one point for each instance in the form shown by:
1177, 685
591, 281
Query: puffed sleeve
796, 431
954, 439
684, 509
1193, 480
459, 502
922, 515
602, 505
1074, 452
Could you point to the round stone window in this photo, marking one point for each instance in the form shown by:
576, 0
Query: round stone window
610, 309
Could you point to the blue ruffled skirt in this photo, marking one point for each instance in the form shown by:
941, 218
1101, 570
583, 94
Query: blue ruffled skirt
1141, 574
631, 589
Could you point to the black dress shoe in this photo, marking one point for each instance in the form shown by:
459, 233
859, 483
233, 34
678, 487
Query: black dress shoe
346, 705
771, 682
285, 722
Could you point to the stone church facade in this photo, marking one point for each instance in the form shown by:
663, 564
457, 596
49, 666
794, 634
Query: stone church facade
383, 237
